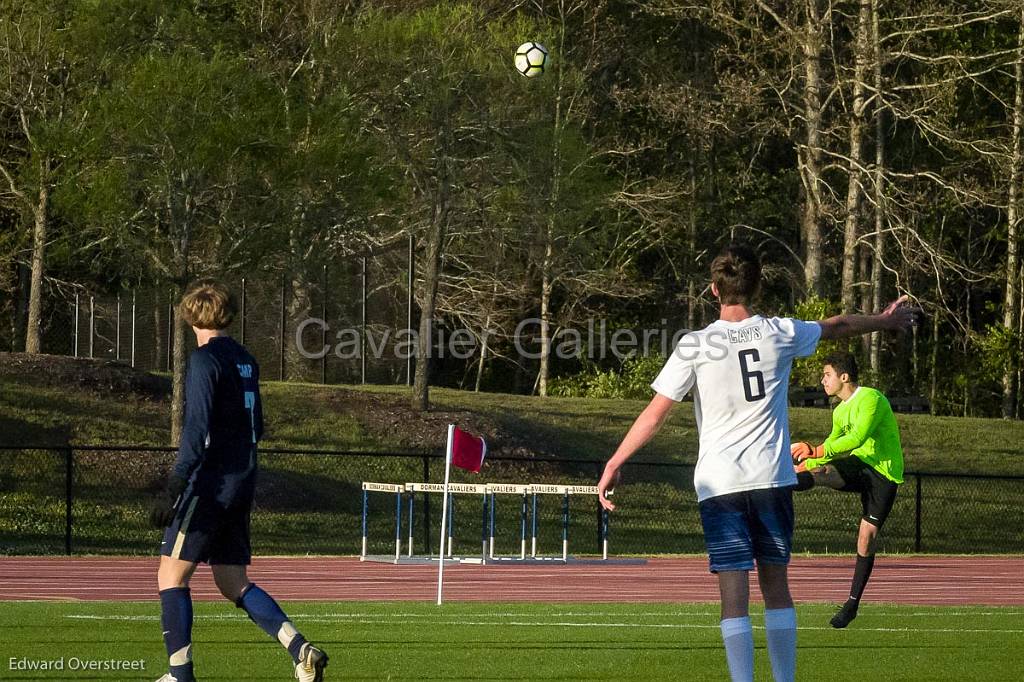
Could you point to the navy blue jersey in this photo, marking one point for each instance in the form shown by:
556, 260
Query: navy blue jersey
223, 422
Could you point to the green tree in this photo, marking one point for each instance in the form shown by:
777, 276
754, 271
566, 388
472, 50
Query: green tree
171, 182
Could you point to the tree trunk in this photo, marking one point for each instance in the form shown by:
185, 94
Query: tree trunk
19, 316
545, 317
811, 157
1010, 306
41, 212
933, 393
1020, 338
691, 270
300, 305
181, 277
864, 277
874, 353
178, 378
547, 275
428, 298
483, 358
853, 189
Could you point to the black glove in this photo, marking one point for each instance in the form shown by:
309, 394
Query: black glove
165, 505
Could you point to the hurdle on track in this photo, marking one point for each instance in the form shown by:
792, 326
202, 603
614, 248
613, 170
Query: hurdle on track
453, 490
528, 515
384, 488
495, 489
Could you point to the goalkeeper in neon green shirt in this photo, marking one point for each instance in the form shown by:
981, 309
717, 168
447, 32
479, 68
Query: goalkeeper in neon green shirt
861, 455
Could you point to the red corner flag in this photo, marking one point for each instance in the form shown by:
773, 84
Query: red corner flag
468, 451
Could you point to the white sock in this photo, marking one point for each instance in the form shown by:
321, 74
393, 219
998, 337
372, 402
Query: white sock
780, 630
739, 648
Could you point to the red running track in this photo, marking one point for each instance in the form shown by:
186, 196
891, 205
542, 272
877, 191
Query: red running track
922, 580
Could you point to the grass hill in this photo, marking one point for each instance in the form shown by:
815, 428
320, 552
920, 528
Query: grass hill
52, 400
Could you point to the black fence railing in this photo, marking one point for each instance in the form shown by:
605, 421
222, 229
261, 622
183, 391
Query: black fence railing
94, 500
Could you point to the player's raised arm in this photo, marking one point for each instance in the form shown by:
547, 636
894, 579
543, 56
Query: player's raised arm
897, 317
642, 430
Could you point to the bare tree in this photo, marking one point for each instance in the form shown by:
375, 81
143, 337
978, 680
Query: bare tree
33, 94
1010, 304
879, 191
857, 120
811, 153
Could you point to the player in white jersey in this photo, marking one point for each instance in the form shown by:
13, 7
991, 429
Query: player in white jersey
738, 370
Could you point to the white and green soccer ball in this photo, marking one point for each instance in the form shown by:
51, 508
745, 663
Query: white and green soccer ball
531, 59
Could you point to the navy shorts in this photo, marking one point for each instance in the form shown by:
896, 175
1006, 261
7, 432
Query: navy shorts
742, 527
205, 531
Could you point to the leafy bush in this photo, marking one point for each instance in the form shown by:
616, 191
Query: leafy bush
632, 381
807, 371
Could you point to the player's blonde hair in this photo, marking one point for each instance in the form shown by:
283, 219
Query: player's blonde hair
207, 304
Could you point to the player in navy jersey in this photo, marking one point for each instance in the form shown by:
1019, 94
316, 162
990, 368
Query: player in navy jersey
737, 369
206, 503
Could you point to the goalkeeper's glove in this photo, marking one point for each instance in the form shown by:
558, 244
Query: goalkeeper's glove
802, 451
165, 505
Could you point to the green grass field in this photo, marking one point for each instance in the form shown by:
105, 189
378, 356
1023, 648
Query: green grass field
473, 641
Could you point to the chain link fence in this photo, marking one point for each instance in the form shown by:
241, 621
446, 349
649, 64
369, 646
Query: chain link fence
336, 323
94, 500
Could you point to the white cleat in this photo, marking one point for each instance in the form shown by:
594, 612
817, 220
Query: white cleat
312, 662
168, 678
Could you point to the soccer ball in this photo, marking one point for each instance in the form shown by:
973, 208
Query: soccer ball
531, 59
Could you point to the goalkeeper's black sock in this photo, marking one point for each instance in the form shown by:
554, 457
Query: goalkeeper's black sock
860, 576
804, 481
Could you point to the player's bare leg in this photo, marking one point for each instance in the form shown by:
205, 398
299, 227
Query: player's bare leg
734, 588
233, 582
828, 476
779, 619
866, 537
737, 635
174, 573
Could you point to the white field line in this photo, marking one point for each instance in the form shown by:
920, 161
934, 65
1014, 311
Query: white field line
374, 619
940, 612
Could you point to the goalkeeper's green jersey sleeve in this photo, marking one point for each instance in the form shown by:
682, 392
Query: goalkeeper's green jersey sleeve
865, 426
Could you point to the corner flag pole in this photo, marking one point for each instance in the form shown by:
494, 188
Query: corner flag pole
444, 510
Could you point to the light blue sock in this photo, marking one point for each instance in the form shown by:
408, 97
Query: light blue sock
739, 648
780, 630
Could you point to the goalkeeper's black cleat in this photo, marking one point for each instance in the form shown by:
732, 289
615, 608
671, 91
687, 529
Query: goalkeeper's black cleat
845, 615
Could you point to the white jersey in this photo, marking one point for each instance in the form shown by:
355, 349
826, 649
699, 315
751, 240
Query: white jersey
739, 373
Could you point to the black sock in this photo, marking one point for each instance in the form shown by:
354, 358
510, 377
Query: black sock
295, 647
804, 481
860, 576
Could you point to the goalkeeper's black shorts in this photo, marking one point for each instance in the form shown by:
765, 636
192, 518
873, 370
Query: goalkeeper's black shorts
877, 493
